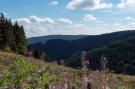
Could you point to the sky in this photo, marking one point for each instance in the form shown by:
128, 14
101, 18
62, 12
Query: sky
70, 17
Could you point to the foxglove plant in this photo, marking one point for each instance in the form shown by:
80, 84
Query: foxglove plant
57, 85
103, 63
85, 64
30, 54
50, 85
84, 61
55, 62
65, 86
105, 77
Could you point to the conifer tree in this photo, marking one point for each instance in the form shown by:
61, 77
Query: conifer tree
20, 39
12, 36
1, 31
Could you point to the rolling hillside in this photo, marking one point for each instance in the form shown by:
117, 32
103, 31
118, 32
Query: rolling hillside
19, 72
44, 39
59, 49
120, 57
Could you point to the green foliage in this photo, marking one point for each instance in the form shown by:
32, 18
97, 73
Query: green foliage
12, 36
23, 74
18, 73
45, 79
119, 55
22, 69
126, 87
26, 74
5, 79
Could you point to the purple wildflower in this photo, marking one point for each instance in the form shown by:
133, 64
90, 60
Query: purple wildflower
30, 54
85, 62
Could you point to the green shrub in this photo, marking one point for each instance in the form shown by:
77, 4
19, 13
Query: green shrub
126, 87
5, 79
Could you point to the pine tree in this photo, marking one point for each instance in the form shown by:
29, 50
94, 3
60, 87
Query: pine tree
7, 35
2, 19
20, 39
1, 37
36, 53
12, 37
23, 40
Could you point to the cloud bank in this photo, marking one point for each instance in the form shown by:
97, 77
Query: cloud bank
88, 4
34, 20
126, 3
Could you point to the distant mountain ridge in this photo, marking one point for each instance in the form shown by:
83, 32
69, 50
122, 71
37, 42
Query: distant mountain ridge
44, 39
62, 49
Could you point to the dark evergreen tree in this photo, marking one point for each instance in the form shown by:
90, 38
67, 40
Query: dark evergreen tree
2, 20
12, 36
20, 39
36, 53
7, 34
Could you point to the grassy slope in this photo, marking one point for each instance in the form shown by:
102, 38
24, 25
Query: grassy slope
61, 72
6, 59
72, 75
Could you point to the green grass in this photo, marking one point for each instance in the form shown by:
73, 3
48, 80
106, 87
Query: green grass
17, 71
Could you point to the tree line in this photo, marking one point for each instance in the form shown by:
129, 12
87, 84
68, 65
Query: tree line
12, 36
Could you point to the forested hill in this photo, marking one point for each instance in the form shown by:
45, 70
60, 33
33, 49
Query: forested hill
120, 57
44, 39
12, 36
62, 49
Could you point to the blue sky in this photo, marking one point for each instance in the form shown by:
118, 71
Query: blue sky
70, 17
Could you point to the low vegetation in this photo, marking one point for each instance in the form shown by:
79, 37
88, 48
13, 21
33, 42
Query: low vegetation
19, 72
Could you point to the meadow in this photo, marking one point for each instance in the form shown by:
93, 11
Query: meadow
19, 72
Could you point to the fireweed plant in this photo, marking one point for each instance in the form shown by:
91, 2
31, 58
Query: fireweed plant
99, 79
22, 74
25, 74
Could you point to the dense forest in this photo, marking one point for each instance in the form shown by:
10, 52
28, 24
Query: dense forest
59, 49
12, 36
120, 57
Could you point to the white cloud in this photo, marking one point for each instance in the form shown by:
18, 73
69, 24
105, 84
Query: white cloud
128, 18
34, 20
48, 21
76, 26
117, 24
76, 29
65, 21
34, 26
54, 3
89, 17
22, 21
34, 31
131, 26
42, 30
88, 4
79, 25
126, 3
